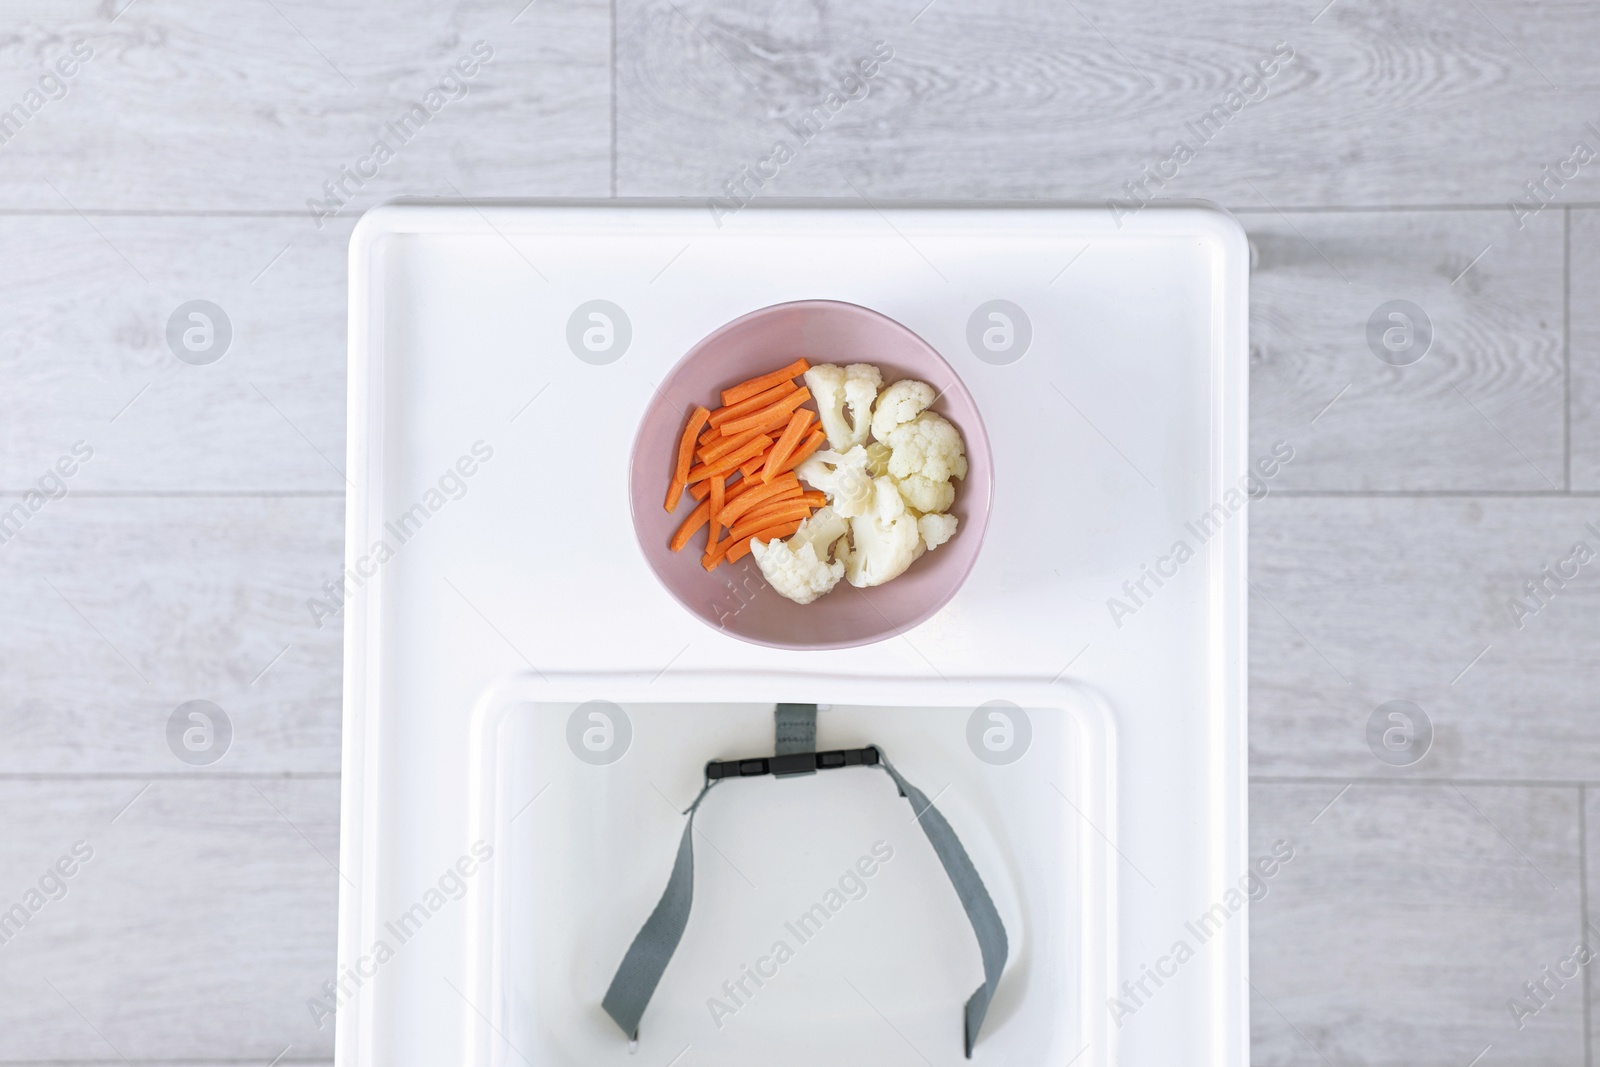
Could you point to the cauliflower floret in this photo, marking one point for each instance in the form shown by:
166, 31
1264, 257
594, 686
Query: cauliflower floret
811, 562
843, 476
878, 455
926, 495
900, 403
930, 446
835, 389
886, 539
936, 529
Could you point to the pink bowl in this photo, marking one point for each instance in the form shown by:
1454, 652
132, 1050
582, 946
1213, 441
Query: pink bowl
735, 598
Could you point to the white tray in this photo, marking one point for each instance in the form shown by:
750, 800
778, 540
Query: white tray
1124, 421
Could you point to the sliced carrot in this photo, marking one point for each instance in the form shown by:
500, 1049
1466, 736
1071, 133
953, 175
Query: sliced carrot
761, 518
680, 474
772, 506
784, 487
772, 423
753, 449
747, 389
764, 417
750, 466
719, 497
741, 548
788, 441
746, 504
715, 552
697, 518
818, 438
721, 446
754, 403
701, 490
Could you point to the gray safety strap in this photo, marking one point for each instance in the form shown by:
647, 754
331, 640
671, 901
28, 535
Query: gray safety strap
974, 896
796, 726
647, 958
658, 938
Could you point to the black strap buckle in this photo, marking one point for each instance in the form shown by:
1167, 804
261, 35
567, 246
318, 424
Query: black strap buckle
797, 763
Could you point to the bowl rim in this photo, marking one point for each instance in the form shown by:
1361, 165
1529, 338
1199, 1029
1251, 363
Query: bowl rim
978, 429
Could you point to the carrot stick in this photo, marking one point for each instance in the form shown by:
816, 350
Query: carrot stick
754, 449
721, 446
761, 518
749, 467
746, 390
680, 474
772, 506
714, 553
786, 486
741, 548
719, 497
701, 490
765, 416
697, 518
754, 403
788, 441
818, 438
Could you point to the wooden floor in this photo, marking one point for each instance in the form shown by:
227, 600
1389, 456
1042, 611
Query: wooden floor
1374, 158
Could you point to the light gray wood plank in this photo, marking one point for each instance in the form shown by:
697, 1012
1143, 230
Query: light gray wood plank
188, 107
1379, 106
1357, 602
199, 927
1408, 918
1585, 309
1591, 858
130, 607
1478, 403
85, 352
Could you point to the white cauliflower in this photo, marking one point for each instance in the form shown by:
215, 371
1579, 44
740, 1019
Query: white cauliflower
886, 539
936, 529
835, 389
900, 403
811, 562
926, 495
878, 455
928, 445
887, 475
844, 476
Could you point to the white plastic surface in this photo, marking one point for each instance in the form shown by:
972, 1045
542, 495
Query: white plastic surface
1123, 423
545, 944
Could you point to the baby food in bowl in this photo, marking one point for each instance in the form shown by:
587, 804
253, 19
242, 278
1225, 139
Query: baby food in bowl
826, 478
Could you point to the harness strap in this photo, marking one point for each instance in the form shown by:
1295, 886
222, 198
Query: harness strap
641, 969
796, 724
974, 896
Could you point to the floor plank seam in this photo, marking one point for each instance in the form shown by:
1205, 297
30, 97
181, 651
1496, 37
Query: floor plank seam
613, 97
166, 776
1435, 494
1566, 346
1583, 913
1051, 201
1343, 779
192, 494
